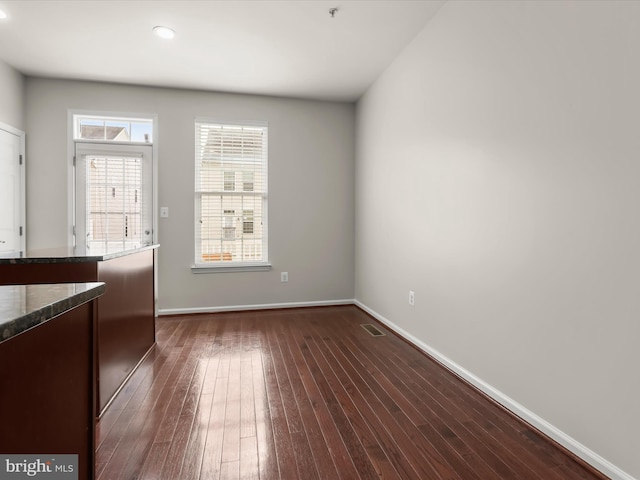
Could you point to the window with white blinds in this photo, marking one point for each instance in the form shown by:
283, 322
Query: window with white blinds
230, 195
113, 193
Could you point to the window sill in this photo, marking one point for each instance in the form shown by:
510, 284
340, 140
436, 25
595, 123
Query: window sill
240, 267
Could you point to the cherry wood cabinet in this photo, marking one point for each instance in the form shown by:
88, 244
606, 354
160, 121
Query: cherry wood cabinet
125, 329
47, 353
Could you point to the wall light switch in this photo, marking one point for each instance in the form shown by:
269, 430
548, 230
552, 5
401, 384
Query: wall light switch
164, 212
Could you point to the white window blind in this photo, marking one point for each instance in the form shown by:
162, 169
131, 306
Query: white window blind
230, 194
113, 197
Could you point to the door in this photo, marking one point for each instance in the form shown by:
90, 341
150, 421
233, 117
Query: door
12, 192
113, 197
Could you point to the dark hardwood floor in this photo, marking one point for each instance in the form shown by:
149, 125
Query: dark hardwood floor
309, 394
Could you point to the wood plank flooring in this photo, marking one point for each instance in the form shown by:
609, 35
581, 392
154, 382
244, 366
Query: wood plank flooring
309, 394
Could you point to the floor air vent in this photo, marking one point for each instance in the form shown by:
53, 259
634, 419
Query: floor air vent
372, 330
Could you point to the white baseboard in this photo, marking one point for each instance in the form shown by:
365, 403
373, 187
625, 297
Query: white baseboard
264, 306
545, 427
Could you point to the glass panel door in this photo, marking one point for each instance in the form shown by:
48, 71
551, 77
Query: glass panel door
113, 204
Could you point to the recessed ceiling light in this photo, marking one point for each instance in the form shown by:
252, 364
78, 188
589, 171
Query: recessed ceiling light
164, 32
3, 15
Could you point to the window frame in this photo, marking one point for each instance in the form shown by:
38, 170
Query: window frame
72, 115
239, 181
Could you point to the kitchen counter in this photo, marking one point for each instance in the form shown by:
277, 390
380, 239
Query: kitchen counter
48, 374
73, 254
23, 307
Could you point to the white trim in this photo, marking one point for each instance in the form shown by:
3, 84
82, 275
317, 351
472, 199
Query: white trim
11, 129
237, 267
545, 427
263, 306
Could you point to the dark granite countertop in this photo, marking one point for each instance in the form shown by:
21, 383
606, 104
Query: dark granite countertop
25, 306
73, 255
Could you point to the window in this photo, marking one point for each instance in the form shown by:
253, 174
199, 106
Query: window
228, 226
113, 129
113, 183
247, 181
230, 195
229, 181
247, 222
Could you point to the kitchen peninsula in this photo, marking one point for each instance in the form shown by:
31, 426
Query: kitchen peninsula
125, 329
47, 380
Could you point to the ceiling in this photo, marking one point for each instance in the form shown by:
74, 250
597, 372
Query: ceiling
291, 48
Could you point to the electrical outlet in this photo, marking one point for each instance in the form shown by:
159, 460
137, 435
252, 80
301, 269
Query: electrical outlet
284, 277
412, 298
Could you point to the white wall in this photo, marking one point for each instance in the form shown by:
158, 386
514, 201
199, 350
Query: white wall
11, 96
311, 177
498, 176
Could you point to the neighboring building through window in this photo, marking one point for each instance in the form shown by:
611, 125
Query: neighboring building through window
230, 194
113, 129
